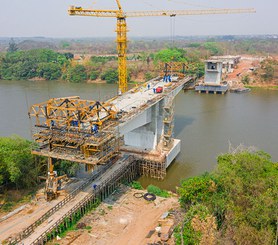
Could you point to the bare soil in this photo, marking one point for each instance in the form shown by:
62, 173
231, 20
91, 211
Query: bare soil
124, 219
247, 66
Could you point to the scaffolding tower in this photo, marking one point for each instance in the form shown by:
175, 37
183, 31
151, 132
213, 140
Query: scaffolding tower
153, 169
168, 122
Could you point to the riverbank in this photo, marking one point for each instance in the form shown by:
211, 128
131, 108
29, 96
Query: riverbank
263, 86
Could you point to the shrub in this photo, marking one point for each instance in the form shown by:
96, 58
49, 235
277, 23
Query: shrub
77, 74
94, 75
110, 75
157, 191
136, 185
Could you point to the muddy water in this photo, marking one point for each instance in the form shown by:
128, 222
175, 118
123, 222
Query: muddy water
204, 123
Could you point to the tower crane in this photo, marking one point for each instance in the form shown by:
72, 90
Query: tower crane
121, 29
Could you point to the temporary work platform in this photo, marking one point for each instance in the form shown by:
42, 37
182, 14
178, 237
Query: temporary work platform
76, 130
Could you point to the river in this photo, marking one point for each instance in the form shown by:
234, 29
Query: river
205, 123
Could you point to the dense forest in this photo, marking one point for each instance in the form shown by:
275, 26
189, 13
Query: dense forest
235, 204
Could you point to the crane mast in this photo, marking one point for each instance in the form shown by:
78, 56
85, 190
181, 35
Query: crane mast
121, 28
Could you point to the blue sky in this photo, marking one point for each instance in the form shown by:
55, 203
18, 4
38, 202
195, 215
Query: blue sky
49, 18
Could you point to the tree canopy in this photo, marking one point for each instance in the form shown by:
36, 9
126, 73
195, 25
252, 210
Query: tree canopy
76, 74
18, 167
213, 47
12, 46
239, 198
170, 54
22, 65
110, 76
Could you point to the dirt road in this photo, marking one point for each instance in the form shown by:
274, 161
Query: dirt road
122, 219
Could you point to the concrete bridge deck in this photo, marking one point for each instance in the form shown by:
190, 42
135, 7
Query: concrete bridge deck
142, 124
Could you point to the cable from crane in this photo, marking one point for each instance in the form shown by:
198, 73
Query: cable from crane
172, 29
27, 105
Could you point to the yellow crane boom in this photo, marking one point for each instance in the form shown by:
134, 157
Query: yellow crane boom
114, 13
122, 27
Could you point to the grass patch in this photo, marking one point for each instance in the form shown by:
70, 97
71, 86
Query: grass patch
65, 232
157, 191
88, 227
8, 206
136, 185
262, 87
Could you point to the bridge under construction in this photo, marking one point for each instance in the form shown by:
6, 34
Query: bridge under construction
117, 140
138, 123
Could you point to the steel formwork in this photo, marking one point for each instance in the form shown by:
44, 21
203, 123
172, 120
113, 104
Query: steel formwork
77, 130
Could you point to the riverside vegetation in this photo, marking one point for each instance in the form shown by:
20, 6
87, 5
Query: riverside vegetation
46, 64
235, 204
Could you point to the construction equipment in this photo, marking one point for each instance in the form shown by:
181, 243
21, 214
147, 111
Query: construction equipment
75, 130
122, 27
53, 182
173, 68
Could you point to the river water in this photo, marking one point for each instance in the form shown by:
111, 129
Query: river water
205, 123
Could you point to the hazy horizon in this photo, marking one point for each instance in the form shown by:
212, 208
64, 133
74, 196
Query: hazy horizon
137, 37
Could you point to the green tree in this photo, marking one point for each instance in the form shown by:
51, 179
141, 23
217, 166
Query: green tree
22, 65
241, 194
194, 45
49, 71
77, 74
167, 55
269, 72
197, 189
196, 68
245, 79
69, 56
18, 167
213, 48
65, 44
102, 59
12, 46
110, 75
94, 75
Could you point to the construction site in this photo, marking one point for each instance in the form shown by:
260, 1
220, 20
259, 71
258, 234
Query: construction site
116, 140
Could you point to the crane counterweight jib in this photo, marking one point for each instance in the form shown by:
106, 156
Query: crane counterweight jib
91, 12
